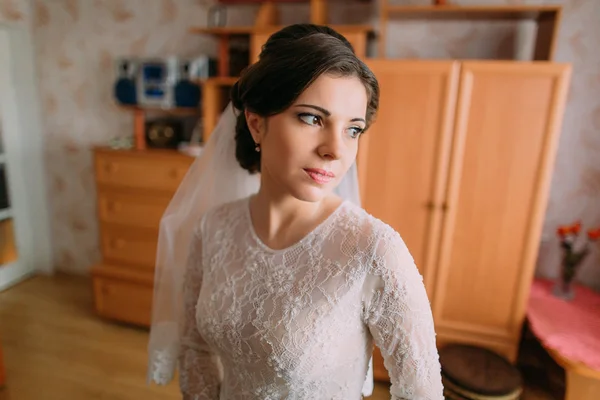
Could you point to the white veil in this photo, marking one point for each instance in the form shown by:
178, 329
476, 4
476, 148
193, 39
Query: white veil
214, 178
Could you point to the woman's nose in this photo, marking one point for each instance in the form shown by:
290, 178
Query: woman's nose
332, 145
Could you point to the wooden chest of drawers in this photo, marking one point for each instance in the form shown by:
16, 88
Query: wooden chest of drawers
134, 188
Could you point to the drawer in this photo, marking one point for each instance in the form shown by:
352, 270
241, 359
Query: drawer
136, 210
123, 300
130, 246
141, 170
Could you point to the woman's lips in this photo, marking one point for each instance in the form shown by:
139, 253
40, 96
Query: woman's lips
320, 175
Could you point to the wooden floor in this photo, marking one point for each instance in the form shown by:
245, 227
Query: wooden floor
56, 348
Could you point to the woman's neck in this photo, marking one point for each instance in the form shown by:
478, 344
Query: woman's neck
279, 219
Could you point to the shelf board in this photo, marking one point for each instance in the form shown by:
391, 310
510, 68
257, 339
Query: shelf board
5, 214
516, 12
172, 111
224, 30
219, 81
249, 30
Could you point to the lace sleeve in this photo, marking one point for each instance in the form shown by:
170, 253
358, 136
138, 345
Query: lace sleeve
399, 317
199, 376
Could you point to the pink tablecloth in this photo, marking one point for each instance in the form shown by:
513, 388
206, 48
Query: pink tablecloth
572, 328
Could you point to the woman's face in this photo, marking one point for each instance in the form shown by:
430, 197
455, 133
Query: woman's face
307, 149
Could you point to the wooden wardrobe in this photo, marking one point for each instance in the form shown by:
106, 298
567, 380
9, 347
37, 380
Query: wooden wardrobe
459, 161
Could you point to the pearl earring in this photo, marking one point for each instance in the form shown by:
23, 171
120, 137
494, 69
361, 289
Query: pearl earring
257, 148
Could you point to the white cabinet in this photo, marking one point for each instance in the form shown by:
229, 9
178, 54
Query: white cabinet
24, 224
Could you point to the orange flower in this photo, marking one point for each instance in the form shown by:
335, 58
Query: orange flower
572, 229
594, 234
562, 231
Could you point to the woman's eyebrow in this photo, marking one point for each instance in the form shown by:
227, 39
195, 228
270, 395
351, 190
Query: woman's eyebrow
321, 109
327, 113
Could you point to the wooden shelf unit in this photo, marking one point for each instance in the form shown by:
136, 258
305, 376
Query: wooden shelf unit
184, 111
215, 96
548, 18
250, 30
215, 91
217, 80
139, 119
224, 35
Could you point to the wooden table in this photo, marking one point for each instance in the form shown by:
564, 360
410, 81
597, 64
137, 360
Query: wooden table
568, 330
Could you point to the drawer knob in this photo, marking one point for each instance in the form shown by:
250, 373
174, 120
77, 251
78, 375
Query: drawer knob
117, 243
174, 174
111, 167
105, 289
113, 206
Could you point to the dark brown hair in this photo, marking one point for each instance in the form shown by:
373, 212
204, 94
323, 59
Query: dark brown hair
290, 61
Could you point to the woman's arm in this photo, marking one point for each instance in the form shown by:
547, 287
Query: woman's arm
199, 374
398, 315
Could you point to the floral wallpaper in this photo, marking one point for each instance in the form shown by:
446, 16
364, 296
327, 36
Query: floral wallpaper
77, 40
15, 11
575, 190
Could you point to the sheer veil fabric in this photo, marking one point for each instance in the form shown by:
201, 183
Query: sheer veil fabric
214, 178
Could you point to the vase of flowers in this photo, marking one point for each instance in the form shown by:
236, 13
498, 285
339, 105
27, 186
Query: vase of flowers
572, 258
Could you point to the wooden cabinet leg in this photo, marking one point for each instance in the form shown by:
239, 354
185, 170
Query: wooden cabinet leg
139, 129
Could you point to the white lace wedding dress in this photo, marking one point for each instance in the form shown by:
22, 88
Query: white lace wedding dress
300, 323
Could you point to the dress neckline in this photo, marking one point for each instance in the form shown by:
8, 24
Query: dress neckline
306, 237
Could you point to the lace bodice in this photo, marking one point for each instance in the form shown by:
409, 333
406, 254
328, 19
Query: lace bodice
300, 323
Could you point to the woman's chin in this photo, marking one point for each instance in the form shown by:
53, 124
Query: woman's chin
311, 193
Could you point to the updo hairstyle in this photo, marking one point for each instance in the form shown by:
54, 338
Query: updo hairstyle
290, 61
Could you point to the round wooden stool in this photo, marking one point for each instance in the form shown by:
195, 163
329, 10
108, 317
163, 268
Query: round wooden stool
474, 373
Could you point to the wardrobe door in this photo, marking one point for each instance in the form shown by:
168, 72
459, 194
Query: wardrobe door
508, 120
403, 157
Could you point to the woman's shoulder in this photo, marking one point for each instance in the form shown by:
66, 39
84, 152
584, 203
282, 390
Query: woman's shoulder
356, 218
382, 244
224, 213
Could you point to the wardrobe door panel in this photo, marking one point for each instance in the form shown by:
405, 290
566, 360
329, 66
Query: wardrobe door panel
403, 157
508, 119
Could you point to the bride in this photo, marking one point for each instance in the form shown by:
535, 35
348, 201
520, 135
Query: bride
272, 282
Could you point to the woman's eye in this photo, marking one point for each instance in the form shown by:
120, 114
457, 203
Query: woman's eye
310, 119
355, 131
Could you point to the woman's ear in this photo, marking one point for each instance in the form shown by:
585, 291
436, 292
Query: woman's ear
256, 125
